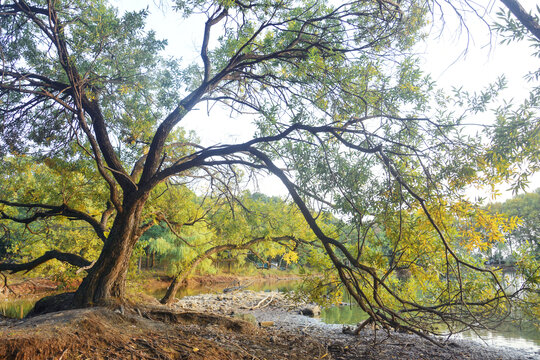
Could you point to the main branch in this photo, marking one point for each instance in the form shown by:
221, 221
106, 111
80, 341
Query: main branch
53, 211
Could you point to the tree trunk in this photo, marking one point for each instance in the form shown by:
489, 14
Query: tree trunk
173, 289
106, 279
178, 280
182, 275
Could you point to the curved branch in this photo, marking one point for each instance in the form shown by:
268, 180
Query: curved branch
182, 275
52, 211
374, 308
199, 158
204, 50
69, 258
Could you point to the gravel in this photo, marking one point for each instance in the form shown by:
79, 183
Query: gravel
278, 313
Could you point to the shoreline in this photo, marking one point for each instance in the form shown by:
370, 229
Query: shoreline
277, 316
243, 325
265, 308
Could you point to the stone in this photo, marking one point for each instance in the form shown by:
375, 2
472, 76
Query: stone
311, 310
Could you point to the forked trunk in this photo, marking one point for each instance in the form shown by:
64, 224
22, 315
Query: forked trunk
106, 279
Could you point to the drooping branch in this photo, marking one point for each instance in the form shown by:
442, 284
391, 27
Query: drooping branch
422, 203
173, 226
352, 272
69, 258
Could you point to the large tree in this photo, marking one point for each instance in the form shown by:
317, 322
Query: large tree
341, 114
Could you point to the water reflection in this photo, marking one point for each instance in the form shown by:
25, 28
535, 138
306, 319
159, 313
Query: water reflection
343, 315
503, 339
506, 335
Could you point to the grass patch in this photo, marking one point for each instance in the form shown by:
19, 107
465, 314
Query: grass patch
16, 308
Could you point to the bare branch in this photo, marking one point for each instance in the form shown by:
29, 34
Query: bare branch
213, 20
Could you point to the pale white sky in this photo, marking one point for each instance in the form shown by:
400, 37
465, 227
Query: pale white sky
442, 56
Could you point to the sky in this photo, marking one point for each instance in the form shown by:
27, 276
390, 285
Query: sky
453, 58
452, 61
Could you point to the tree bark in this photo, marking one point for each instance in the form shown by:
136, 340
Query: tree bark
173, 288
523, 16
106, 279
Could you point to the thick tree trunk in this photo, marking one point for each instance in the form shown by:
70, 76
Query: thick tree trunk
106, 279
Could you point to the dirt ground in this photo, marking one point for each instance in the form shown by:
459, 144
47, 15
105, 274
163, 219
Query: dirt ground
158, 332
101, 333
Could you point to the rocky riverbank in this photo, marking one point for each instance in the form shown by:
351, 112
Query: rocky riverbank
278, 313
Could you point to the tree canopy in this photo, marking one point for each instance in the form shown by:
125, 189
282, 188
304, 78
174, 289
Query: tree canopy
345, 119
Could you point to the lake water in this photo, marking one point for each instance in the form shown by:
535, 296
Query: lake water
259, 285
506, 335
